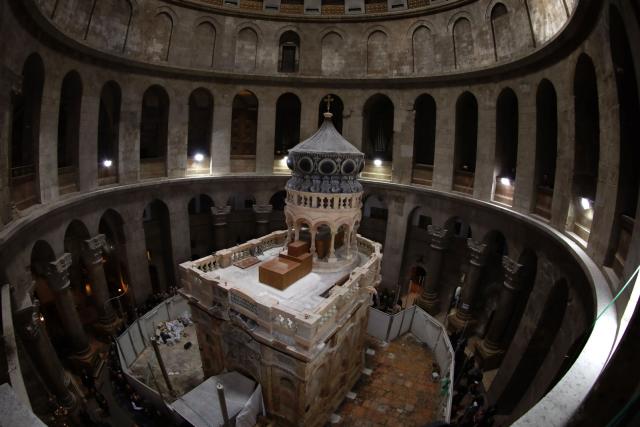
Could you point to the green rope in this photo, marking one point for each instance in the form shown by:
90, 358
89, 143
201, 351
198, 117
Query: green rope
617, 295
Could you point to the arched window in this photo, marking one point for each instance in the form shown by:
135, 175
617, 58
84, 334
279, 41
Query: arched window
377, 136
587, 148
204, 45
108, 133
424, 139
332, 58
423, 50
199, 134
287, 124
377, 54
500, 30
506, 149
289, 52
69, 132
246, 49
463, 48
154, 127
157, 233
244, 129
546, 146
466, 140
159, 41
25, 134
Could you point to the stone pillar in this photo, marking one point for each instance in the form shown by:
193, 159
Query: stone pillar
10, 83
332, 249
524, 197
88, 138
429, 300
129, 135
57, 273
484, 176
445, 142
490, 349
43, 354
460, 319
562, 191
47, 150
265, 144
220, 226
92, 258
312, 248
177, 137
404, 122
221, 139
262, 214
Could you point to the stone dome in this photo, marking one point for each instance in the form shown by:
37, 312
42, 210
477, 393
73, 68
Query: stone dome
325, 163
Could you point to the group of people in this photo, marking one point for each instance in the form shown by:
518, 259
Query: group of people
468, 403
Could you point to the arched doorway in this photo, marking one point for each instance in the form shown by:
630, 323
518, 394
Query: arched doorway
108, 133
200, 132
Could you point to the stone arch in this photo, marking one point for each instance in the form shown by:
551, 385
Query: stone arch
466, 142
200, 131
244, 131
424, 139
160, 35
332, 57
377, 52
110, 23
204, 43
546, 146
109, 132
287, 129
500, 30
246, 49
288, 52
423, 49
336, 108
154, 130
463, 44
156, 223
458, 227
377, 132
506, 147
200, 225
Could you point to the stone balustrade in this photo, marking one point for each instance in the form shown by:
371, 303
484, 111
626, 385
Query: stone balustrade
340, 201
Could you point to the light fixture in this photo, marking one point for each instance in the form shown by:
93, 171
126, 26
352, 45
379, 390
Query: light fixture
198, 157
107, 163
377, 162
505, 181
585, 203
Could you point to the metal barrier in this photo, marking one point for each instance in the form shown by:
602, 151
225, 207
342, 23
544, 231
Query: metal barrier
388, 327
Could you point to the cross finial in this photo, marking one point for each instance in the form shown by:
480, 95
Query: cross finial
328, 100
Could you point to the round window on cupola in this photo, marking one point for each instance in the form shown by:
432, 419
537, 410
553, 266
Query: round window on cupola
327, 167
348, 167
305, 165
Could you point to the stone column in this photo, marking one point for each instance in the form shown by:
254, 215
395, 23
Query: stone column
429, 300
484, 176
262, 214
88, 145
524, 197
47, 150
312, 248
92, 257
477, 258
221, 138
129, 135
265, 144
43, 354
57, 273
491, 346
332, 249
445, 141
177, 137
220, 226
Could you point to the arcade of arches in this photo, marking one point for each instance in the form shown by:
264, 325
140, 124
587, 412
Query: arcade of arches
500, 142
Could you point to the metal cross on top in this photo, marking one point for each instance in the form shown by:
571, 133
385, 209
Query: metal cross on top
328, 100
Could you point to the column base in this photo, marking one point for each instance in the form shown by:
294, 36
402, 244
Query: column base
488, 356
107, 327
429, 303
457, 322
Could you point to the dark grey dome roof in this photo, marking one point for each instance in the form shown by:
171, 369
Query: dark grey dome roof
325, 163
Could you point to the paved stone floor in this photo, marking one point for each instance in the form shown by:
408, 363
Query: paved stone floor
399, 391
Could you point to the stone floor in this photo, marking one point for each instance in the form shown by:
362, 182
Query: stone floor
399, 391
183, 366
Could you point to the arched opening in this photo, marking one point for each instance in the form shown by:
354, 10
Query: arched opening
287, 130
546, 146
415, 256
246, 49
377, 137
157, 234
116, 264
587, 149
533, 357
424, 139
108, 133
629, 112
204, 45
200, 132
25, 134
289, 52
377, 55
336, 108
466, 140
244, 132
422, 43
69, 132
506, 150
374, 219
154, 127
200, 226
500, 30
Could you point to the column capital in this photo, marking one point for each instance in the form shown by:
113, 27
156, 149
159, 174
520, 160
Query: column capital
92, 249
224, 210
477, 252
512, 272
57, 272
440, 237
